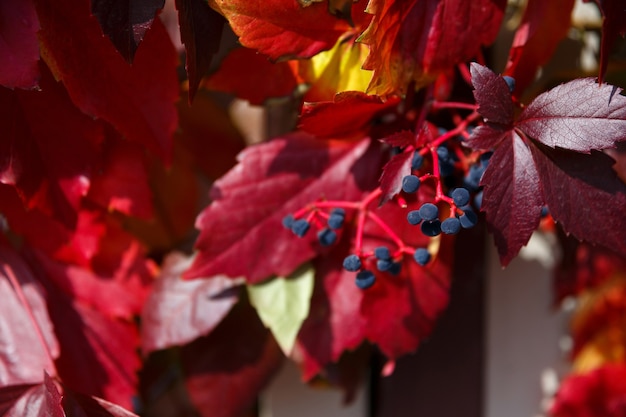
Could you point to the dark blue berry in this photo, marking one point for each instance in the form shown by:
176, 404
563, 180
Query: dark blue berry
460, 196
382, 252
326, 237
443, 153
410, 184
352, 263
478, 199
338, 212
429, 212
365, 279
451, 226
510, 82
413, 217
418, 161
473, 176
300, 227
468, 219
335, 221
484, 159
384, 265
395, 268
432, 228
288, 221
544, 211
421, 256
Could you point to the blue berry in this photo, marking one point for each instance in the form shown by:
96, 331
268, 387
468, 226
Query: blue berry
510, 82
338, 212
432, 228
395, 268
484, 159
443, 153
421, 256
382, 252
429, 212
300, 227
460, 196
469, 219
352, 263
288, 221
473, 176
365, 279
384, 265
335, 221
478, 199
451, 226
418, 161
410, 184
413, 217
544, 211
326, 237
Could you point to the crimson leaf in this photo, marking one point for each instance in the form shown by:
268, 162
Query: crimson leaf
512, 196
180, 311
613, 23
272, 180
393, 172
579, 115
19, 47
492, 96
125, 22
39, 400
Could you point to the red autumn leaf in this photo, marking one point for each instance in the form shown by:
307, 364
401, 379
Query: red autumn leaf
137, 100
179, 311
601, 392
79, 405
98, 353
19, 47
125, 22
613, 24
417, 40
272, 180
535, 42
398, 167
584, 194
492, 96
50, 153
201, 33
122, 183
579, 115
32, 401
512, 197
25, 329
226, 370
251, 76
351, 114
286, 29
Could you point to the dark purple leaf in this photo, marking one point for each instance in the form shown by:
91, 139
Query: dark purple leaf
512, 196
579, 115
179, 311
201, 32
125, 22
492, 96
584, 194
487, 136
613, 24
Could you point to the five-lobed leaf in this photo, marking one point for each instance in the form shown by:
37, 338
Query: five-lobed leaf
283, 303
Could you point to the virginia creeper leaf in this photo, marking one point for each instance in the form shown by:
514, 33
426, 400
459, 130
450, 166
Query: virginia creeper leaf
251, 76
351, 114
201, 32
24, 324
179, 311
512, 197
600, 392
579, 115
39, 400
613, 24
125, 22
19, 47
492, 96
286, 29
272, 180
535, 42
78, 405
283, 304
416, 40
398, 167
226, 370
137, 100
584, 194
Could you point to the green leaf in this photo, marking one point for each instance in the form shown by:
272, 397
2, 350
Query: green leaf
283, 304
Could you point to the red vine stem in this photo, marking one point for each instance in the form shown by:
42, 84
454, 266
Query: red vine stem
8, 271
440, 105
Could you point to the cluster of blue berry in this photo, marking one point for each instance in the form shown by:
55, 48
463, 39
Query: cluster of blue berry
326, 235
